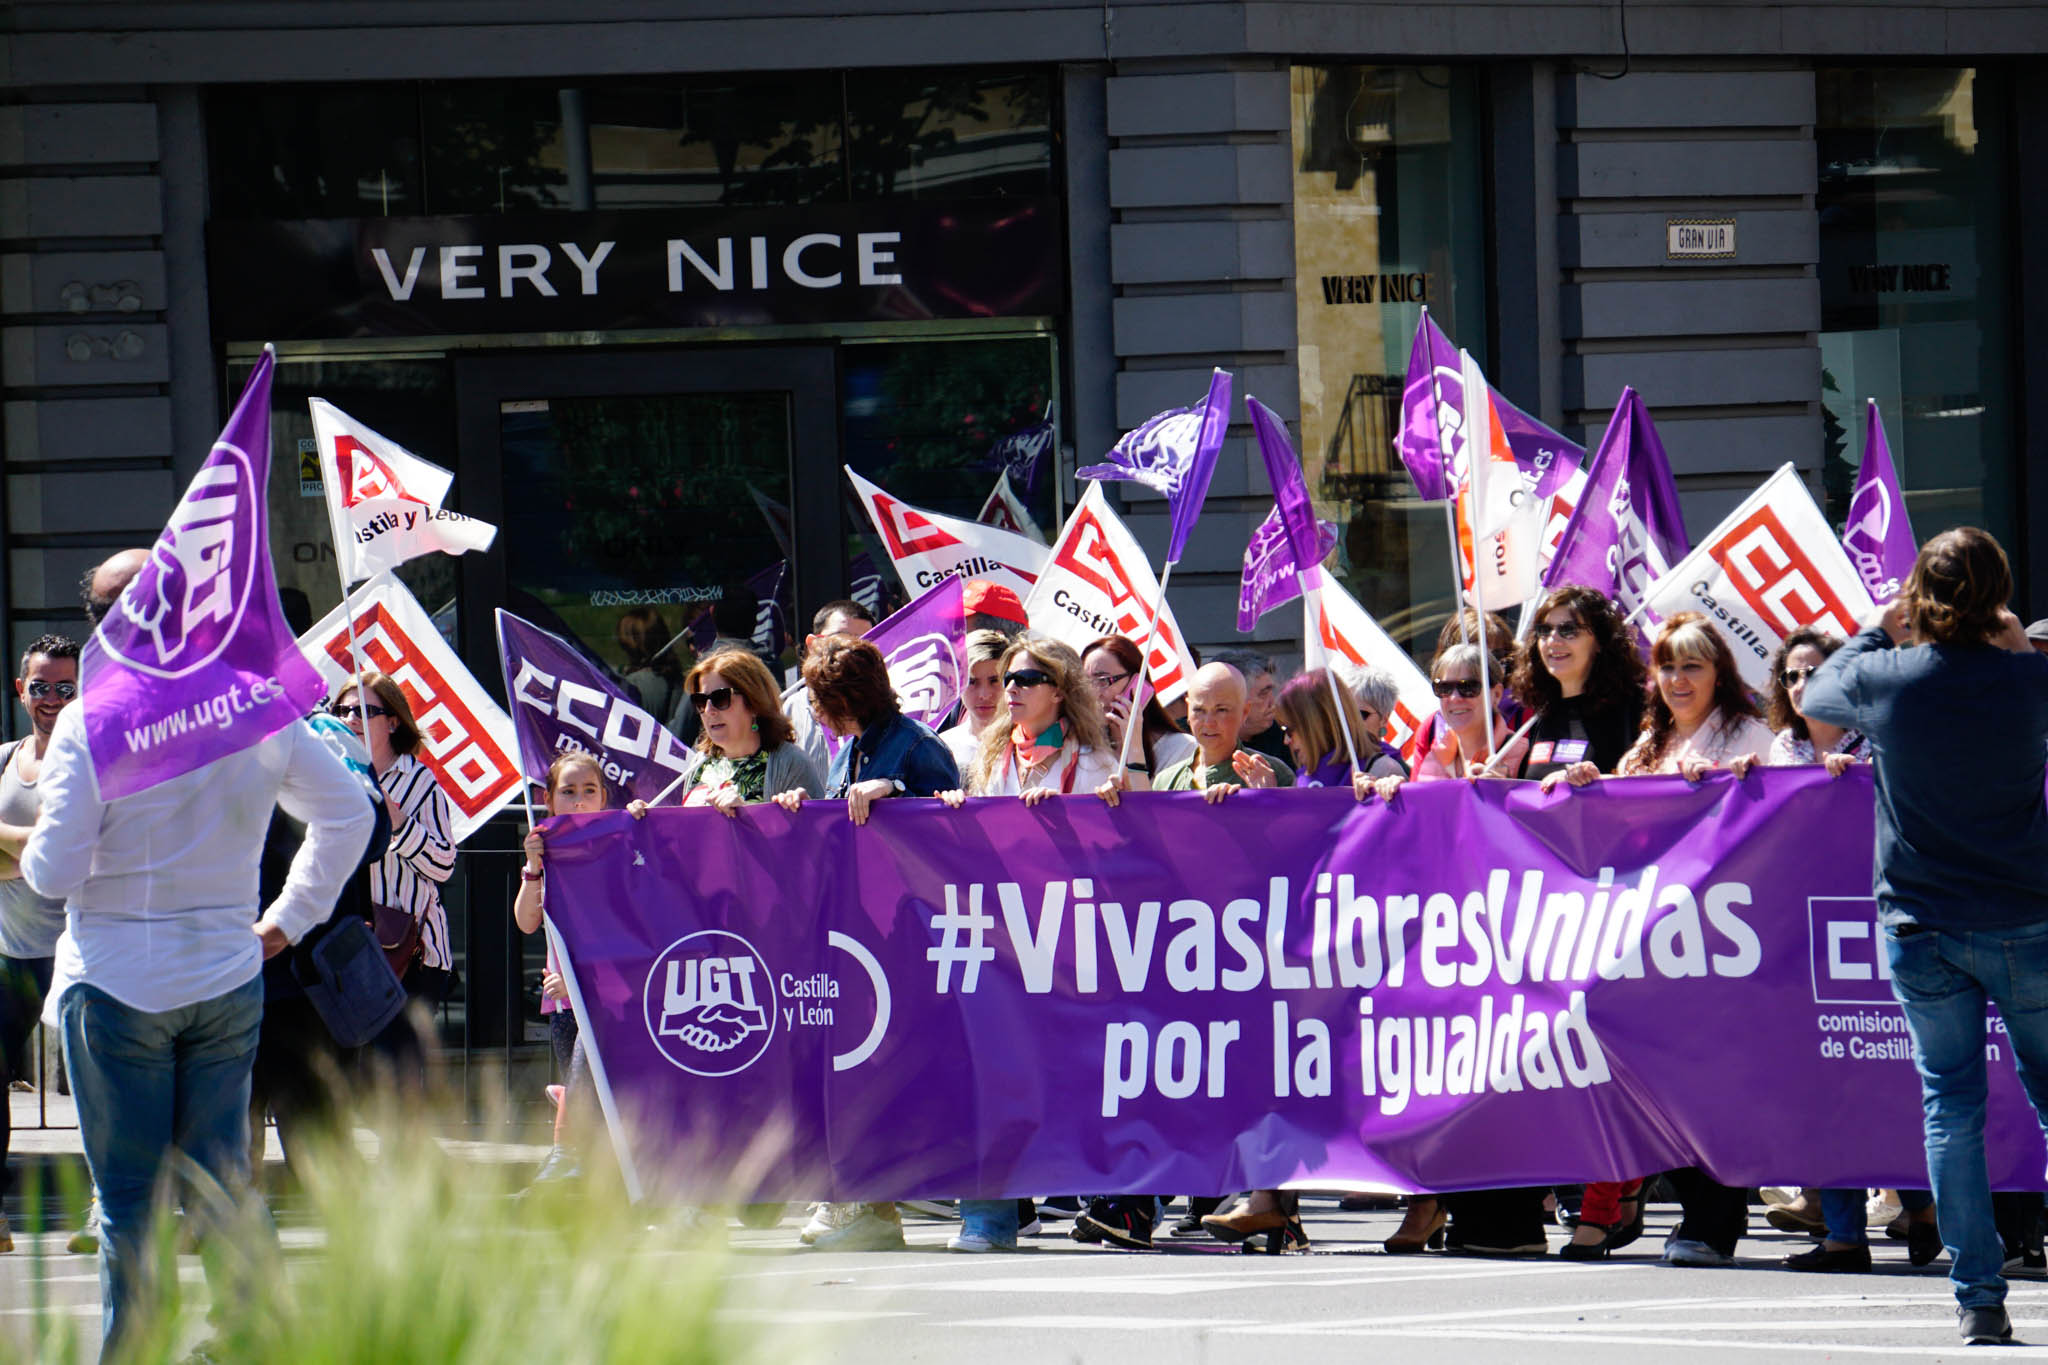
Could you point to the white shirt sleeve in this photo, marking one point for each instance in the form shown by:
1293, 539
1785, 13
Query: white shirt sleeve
58, 856
318, 789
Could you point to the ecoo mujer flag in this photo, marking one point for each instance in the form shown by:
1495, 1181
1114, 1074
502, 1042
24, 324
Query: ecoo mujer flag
195, 661
1173, 454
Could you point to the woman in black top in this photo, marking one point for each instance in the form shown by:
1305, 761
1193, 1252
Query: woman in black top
1581, 673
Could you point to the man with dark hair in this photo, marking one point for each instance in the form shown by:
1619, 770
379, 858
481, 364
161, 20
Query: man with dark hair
103, 583
1959, 726
842, 617
29, 924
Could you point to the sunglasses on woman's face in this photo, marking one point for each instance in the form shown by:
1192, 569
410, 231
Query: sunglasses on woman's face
39, 689
351, 711
1795, 676
1026, 677
1458, 687
715, 700
1566, 631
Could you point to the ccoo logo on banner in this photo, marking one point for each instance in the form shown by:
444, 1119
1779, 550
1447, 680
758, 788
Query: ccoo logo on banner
465, 739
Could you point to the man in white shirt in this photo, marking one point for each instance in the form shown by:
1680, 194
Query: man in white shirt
157, 981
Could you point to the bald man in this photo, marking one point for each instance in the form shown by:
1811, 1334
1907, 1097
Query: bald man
1216, 717
104, 583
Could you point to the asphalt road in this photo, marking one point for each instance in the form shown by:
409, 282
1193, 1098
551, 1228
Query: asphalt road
1056, 1300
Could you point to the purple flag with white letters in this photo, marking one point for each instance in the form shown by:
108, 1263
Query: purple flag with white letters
1022, 454
1879, 538
1429, 448
561, 702
1173, 454
925, 644
1477, 986
1270, 577
195, 661
1627, 530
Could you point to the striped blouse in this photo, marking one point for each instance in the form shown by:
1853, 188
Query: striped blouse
420, 857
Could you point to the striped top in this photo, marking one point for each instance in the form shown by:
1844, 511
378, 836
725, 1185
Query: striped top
420, 857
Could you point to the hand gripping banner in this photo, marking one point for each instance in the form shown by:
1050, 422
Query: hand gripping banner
1476, 986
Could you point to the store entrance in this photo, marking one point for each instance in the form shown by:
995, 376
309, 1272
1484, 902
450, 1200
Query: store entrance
647, 500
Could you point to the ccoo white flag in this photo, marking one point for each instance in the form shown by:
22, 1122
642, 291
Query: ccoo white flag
930, 547
1006, 511
383, 501
1337, 629
1774, 565
1097, 582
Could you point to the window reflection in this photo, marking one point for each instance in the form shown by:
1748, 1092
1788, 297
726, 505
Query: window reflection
949, 135
323, 152
1913, 266
494, 148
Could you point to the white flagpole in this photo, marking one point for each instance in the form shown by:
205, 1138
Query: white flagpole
1527, 726
1345, 722
1136, 720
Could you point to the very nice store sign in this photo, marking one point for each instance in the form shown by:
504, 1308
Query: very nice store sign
618, 270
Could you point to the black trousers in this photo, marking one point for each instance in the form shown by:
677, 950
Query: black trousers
1496, 1218
1713, 1213
24, 981
300, 1075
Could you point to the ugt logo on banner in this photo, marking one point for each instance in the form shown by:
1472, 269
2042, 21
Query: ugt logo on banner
710, 1003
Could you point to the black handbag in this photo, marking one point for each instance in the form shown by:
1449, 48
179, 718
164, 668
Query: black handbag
350, 983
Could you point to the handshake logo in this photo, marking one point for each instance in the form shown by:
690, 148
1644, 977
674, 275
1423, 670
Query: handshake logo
710, 1003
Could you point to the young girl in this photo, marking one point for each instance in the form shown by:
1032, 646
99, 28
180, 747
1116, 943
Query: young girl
575, 786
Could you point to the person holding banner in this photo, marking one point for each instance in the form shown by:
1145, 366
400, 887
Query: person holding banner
1802, 739
1054, 744
405, 885
1314, 710
1461, 746
1701, 716
1116, 671
981, 696
1377, 694
1960, 727
749, 748
1216, 711
1582, 675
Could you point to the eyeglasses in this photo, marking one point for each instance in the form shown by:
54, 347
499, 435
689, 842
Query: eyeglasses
39, 689
1566, 631
1460, 687
1102, 682
350, 711
1026, 677
1795, 676
716, 700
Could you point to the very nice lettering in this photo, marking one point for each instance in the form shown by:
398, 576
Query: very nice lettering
813, 260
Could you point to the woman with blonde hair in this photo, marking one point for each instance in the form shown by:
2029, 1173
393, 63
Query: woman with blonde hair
1309, 710
981, 697
1054, 741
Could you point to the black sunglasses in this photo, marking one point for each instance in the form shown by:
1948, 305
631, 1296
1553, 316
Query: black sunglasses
351, 711
1026, 677
1564, 630
716, 700
39, 689
1462, 687
1795, 676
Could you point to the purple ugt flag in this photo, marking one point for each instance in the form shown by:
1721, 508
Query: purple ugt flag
561, 703
1626, 531
1271, 577
1879, 538
195, 661
1173, 454
1290, 491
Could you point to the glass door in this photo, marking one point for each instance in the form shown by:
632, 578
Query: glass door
647, 501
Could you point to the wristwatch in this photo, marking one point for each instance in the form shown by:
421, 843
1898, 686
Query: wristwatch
527, 874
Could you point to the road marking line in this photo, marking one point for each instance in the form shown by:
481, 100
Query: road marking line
1671, 1343
1080, 1323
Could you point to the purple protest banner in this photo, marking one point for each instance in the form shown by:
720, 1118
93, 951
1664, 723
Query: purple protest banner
1476, 986
560, 701
1627, 530
1173, 454
1879, 537
1270, 577
195, 661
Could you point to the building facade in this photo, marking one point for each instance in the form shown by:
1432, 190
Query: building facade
646, 276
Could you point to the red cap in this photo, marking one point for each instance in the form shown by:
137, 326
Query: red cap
983, 598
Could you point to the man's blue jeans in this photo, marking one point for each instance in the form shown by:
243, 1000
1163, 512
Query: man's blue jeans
1943, 977
995, 1219
146, 1083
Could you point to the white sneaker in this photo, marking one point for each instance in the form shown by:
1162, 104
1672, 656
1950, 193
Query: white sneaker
1774, 1195
868, 1231
86, 1241
827, 1218
1685, 1251
1879, 1211
964, 1240
1031, 1229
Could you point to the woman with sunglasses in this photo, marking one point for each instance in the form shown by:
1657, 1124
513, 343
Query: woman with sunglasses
1460, 748
981, 699
1582, 675
1054, 743
405, 884
1314, 710
1801, 739
746, 740
1114, 668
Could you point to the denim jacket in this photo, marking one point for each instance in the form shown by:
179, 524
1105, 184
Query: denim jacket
898, 748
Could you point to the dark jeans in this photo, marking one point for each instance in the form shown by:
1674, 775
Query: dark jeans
401, 1048
1714, 1213
24, 981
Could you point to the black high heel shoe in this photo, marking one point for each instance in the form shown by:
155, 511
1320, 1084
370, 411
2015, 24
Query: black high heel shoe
1613, 1237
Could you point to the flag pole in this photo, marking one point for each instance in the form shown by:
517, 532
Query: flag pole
1436, 417
1136, 720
